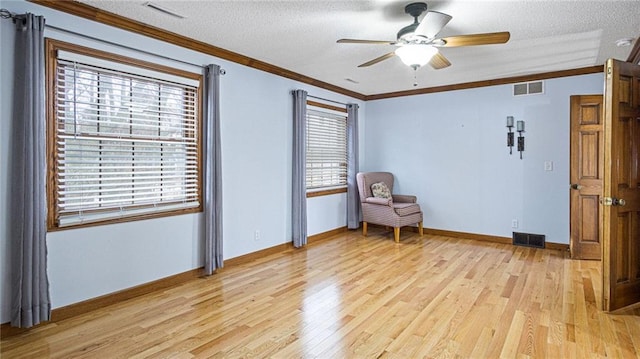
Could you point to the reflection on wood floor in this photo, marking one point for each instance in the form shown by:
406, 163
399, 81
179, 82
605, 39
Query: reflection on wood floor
355, 297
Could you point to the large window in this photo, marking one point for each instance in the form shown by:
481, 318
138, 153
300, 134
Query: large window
124, 138
326, 147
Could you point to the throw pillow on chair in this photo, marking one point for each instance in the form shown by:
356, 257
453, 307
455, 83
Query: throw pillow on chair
380, 190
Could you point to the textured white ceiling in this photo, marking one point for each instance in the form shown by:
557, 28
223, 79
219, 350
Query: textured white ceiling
300, 35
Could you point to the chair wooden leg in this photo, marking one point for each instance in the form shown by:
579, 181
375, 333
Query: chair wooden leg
396, 234
420, 228
364, 229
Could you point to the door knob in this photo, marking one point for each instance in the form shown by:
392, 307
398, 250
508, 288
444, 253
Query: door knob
608, 201
576, 186
618, 202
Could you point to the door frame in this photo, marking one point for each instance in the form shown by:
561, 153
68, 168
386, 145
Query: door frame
587, 187
621, 256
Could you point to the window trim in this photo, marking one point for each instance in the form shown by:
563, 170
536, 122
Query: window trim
51, 48
326, 191
327, 106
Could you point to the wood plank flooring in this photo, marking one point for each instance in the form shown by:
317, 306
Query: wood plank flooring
356, 297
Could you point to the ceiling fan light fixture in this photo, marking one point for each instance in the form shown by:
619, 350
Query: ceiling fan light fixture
416, 55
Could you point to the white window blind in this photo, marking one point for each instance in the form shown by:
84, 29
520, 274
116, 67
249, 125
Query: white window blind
126, 144
326, 148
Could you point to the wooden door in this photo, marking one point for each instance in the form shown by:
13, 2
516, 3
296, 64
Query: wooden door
621, 207
587, 167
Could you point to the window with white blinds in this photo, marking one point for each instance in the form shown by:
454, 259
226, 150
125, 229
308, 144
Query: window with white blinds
126, 141
326, 148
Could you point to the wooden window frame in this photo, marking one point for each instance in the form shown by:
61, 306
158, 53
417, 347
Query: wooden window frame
51, 50
318, 192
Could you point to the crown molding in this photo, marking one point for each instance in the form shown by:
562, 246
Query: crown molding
121, 22
503, 81
108, 18
634, 55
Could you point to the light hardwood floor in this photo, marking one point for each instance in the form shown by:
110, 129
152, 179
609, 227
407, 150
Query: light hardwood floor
355, 297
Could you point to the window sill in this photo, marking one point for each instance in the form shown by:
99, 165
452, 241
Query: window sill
326, 192
53, 227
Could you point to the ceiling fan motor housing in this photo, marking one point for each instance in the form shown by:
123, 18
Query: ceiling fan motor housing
407, 31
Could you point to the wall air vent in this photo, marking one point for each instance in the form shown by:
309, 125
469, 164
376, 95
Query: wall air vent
529, 240
528, 88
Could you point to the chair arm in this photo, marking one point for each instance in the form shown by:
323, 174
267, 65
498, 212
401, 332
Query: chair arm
403, 198
380, 201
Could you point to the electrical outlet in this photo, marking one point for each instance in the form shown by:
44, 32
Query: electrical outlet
256, 235
548, 165
514, 223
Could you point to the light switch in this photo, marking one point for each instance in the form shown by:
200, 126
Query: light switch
548, 165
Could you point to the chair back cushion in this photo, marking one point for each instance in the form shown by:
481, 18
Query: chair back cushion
366, 179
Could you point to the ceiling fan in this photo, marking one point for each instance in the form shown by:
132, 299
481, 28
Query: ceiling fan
418, 45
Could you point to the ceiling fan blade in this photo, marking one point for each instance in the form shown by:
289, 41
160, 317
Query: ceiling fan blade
378, 59
432, 23
476, 39
438, 61
355, 41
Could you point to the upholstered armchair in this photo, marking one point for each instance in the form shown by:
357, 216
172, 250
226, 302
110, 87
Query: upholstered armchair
380, 206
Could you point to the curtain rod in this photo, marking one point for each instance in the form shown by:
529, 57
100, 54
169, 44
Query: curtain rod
324, 99
6, 14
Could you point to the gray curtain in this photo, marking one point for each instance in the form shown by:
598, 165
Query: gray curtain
212, 189
353, 199
30, 301
299, 195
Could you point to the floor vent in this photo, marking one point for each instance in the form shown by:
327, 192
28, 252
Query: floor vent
528, 88
529, 240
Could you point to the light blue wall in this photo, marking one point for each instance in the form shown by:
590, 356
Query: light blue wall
256, 114
449, 149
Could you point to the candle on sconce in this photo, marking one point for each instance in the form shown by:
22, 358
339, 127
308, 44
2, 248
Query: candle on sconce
520, 126
509, 121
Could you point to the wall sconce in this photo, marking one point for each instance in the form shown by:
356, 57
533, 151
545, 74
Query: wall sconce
510, 134
520, 129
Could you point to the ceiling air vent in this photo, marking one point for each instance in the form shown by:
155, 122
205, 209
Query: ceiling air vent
528, 88
163, 9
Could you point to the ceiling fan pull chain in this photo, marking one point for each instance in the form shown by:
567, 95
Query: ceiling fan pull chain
415, 76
